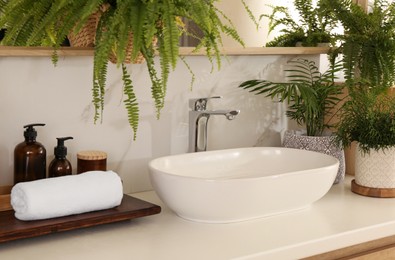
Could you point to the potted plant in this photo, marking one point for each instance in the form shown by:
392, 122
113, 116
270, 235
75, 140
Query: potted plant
368, 118
314, 26
368, 42
144, 23
368, 51
311, 97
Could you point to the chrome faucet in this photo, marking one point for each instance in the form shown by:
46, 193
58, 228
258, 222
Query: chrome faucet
198, 120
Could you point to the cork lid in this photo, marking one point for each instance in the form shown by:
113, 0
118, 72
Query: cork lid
91, 155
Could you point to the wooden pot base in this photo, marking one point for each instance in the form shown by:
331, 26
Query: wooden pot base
372, 192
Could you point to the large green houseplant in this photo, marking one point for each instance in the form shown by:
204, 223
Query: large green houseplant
368, 49
368, 42
311, 97
153, 25
314, 25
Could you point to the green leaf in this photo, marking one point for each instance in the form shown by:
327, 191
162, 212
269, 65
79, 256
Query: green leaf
130, 101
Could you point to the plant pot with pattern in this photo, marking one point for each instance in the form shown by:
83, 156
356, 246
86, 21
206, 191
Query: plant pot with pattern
311, 97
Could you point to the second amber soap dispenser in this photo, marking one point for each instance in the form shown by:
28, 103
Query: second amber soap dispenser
60, 166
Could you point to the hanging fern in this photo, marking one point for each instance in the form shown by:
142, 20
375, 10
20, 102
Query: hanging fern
145, 23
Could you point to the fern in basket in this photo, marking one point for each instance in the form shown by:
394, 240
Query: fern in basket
152, 28
368, 43
314, 26
310, 94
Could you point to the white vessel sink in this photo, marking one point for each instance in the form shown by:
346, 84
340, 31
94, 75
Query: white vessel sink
240, 184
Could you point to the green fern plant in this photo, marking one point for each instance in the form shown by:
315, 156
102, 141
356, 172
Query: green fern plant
368, 42
309, 93
154, 25
314, 26
368, 118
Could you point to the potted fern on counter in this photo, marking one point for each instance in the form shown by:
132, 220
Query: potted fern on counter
311, 97
151, 27
368, 118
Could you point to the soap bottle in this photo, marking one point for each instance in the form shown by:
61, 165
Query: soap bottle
60, 166
29, 157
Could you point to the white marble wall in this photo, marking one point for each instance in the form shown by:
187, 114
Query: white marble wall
33, 90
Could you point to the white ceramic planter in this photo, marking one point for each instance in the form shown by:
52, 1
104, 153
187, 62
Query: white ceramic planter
376, 169
322, 144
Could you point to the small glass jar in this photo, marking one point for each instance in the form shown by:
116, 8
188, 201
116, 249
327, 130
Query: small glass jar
91, 161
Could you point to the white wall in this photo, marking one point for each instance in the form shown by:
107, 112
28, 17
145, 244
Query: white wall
34, 91
235, 11
252, 36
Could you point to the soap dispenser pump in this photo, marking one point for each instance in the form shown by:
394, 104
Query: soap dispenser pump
29, 157
60, 166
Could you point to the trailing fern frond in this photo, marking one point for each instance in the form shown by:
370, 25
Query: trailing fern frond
193, 77
250, 14
170, 33
136, 22
130, 101
157, 88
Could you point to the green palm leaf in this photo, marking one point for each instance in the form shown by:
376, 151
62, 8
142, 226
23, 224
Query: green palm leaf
309, 94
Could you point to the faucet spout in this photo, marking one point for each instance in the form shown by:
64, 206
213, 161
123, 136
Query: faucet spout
229, 114
198, 121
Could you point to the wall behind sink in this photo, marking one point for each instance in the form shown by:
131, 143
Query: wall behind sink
34, 91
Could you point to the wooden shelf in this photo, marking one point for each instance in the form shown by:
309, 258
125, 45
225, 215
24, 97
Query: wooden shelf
14, 51
251, 51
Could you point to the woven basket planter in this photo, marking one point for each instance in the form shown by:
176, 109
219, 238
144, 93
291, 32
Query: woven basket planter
87, 35
129, 49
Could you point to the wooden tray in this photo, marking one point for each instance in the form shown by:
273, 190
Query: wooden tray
130, 208
5, 197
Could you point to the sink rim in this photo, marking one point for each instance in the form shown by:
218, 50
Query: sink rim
153, 162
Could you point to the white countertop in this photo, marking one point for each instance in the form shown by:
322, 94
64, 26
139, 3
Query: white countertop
340, 219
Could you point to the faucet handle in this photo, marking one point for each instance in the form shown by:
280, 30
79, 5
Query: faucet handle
199, 104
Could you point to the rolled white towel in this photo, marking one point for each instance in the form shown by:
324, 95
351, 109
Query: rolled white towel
67, 195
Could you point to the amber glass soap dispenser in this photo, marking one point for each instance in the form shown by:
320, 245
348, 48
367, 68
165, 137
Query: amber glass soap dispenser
60, 166
29, 157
